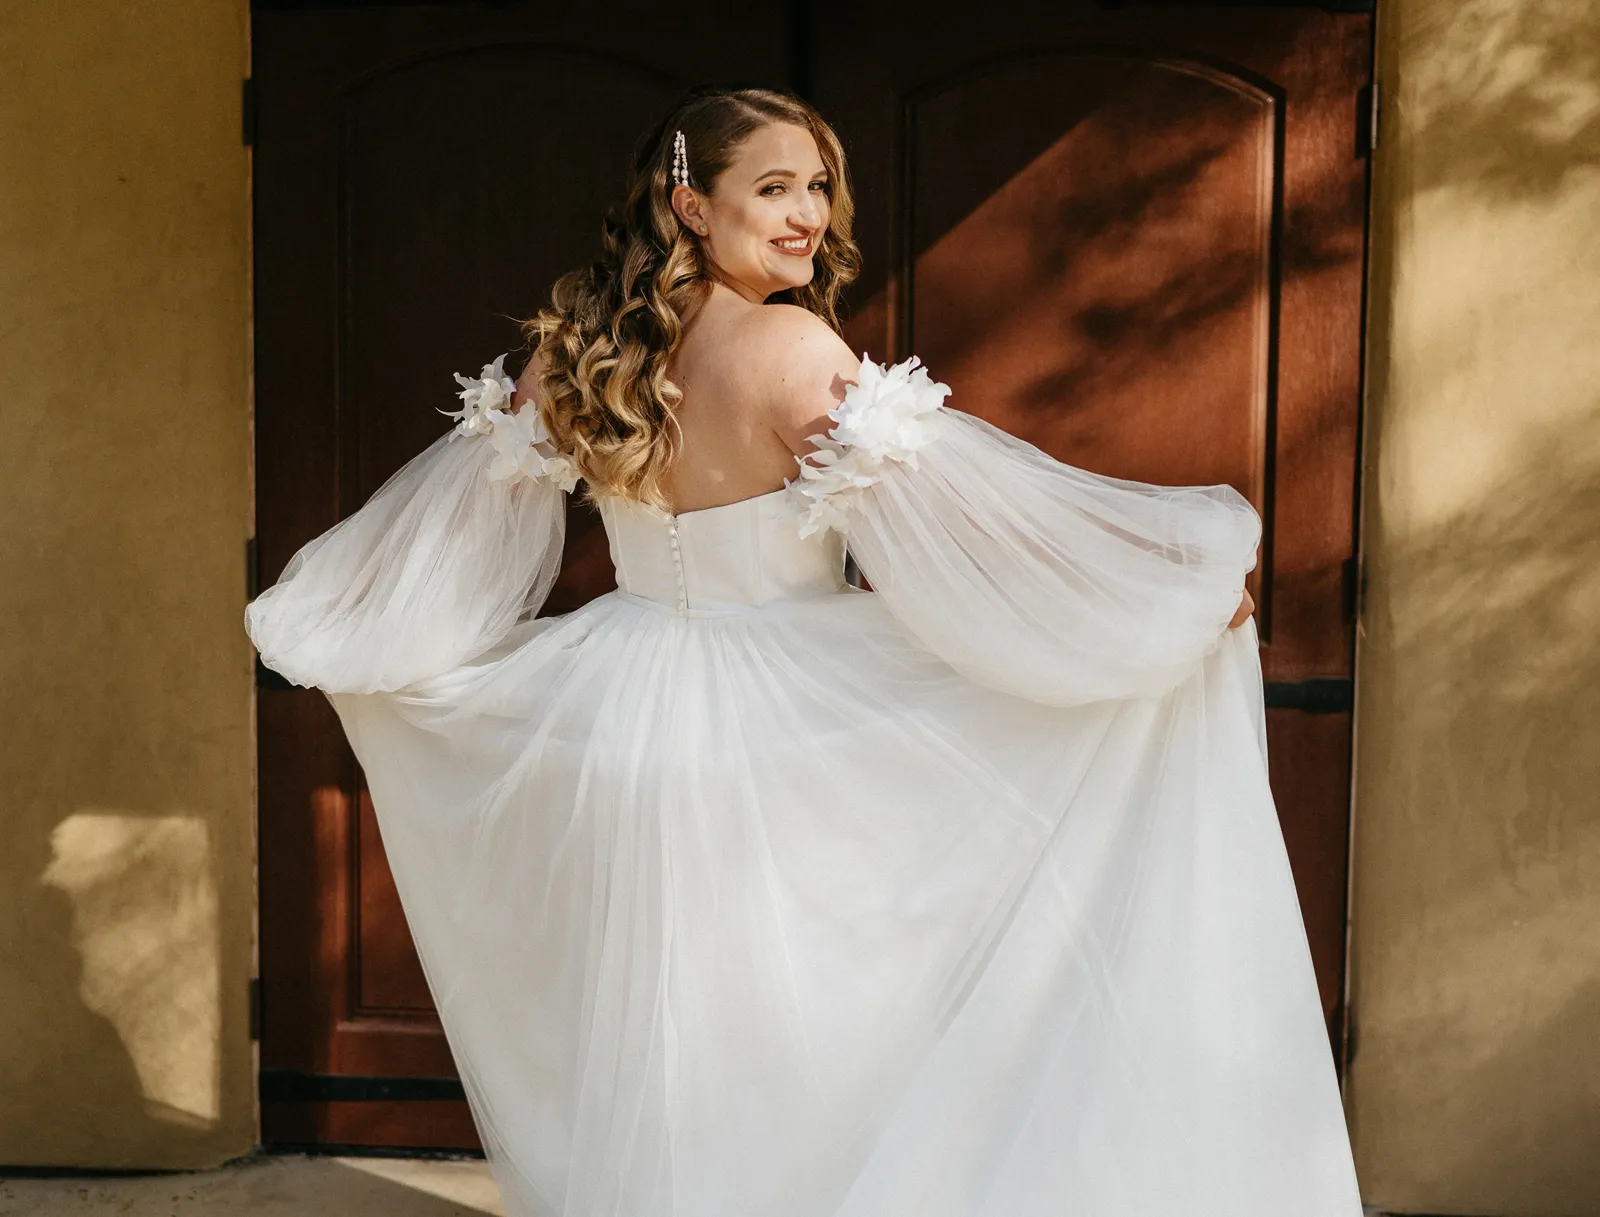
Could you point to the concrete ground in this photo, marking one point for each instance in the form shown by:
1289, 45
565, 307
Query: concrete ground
269, 1186
275, 1186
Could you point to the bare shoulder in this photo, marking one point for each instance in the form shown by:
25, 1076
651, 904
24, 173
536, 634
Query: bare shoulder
804, 369
528, 382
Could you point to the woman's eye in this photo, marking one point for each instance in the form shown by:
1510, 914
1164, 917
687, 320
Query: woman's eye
776, 186
822, 186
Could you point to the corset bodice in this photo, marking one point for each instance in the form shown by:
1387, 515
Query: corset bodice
719, 559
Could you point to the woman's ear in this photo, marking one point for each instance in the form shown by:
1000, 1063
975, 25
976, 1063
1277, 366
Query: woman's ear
686, 204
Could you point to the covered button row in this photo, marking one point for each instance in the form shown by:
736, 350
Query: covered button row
677, 564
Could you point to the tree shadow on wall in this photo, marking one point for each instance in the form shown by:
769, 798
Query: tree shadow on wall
1504, 98
1492, 1041
1473, 1077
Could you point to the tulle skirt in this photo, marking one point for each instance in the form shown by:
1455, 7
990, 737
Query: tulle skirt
774, 914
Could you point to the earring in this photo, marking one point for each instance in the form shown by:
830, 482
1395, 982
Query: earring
702, 229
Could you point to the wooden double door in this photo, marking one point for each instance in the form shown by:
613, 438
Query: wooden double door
1133, 235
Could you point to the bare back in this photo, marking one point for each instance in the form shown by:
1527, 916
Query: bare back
757, 381
723, 366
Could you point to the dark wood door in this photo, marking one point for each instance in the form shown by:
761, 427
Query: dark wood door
422, 174
1134, 237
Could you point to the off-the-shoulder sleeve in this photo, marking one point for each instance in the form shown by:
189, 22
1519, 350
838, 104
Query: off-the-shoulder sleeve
1024, 573
435, 568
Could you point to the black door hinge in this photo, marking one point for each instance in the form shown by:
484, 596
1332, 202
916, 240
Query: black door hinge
1369, 110
247, 112
1353, 589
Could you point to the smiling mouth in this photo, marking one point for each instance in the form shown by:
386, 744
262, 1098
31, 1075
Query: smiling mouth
798, 246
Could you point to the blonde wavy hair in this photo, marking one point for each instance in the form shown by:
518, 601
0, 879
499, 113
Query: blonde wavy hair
611, 328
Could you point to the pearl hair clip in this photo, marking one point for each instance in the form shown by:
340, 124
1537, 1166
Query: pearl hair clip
680, 160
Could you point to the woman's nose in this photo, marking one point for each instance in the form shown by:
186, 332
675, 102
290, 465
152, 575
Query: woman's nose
808, 214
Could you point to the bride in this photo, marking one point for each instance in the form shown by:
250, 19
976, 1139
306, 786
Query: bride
745, 892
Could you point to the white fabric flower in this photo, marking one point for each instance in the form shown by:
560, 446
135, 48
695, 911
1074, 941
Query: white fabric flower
521, 445
882, 418
519, 438
562, 470
490, 390
512, 437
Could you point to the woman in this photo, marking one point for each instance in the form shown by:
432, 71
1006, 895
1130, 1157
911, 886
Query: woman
743, 892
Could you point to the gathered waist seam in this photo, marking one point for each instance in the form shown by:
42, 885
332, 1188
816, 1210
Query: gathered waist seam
732, 610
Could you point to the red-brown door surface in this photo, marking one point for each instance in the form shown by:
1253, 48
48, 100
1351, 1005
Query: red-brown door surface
1132, 236
422, 175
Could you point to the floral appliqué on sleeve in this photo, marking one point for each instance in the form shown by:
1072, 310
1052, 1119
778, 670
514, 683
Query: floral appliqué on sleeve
882, 418
521, 443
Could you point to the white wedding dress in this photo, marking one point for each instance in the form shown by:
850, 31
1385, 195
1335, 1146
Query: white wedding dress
743, 892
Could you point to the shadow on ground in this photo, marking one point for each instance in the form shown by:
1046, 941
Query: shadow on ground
269, 1187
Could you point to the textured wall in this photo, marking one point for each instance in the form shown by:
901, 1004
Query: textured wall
126, 889
1475, 1086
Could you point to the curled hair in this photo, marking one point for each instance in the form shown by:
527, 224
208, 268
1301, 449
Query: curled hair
613, 326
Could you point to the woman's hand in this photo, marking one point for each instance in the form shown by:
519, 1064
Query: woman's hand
1242, 613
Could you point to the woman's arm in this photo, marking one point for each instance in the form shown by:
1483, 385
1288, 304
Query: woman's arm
811, 370
817, 371
1029, 575
528, 383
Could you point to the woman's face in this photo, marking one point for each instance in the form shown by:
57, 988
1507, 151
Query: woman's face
766, 213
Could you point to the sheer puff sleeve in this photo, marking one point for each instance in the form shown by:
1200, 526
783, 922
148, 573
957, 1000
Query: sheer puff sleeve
1025, 574
438, 565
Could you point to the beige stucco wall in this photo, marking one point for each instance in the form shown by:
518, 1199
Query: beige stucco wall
1475, 1086
126, 889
